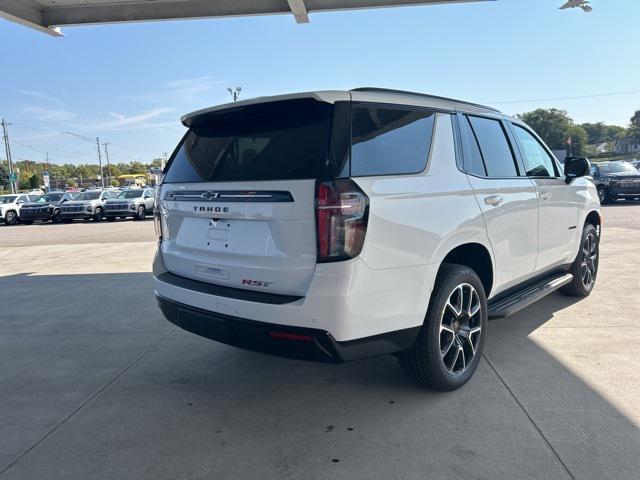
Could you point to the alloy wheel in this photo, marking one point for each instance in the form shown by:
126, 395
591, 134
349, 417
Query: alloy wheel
460, 328
589, 264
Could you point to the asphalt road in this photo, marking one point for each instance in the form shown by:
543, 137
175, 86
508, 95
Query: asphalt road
94, 383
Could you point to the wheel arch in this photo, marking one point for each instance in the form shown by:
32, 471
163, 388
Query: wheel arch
477, 257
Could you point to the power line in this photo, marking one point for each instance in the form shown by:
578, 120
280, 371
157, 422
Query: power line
575, 97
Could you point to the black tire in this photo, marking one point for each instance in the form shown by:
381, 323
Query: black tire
98, 216
11, 218
588, 257
424, 363
56, 217
603, 194
27, 222
141, 213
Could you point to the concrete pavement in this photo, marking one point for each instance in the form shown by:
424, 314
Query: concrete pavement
94, 383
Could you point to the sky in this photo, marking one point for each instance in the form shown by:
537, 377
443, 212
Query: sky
130, 83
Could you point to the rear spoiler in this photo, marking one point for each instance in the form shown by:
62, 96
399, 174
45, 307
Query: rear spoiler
329, 96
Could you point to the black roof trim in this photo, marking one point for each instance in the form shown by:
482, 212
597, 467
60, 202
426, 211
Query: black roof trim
426, 95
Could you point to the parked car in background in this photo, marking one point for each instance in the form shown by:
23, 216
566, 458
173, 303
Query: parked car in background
10, 206
333, 226
616, 180
86, 205
136, 203
636, 163
44, 208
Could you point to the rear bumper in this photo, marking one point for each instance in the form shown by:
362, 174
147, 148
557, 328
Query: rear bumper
313, 344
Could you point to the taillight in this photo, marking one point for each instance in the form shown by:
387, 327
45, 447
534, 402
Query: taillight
341, 220
157, 220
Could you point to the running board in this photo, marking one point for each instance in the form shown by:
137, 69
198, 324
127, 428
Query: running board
528, 295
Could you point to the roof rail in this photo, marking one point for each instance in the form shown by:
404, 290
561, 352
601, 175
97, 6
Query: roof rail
405, 92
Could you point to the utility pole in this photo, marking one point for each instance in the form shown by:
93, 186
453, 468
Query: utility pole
90, 140
106, 154
164, 163
235, 93
100, 162
8, 151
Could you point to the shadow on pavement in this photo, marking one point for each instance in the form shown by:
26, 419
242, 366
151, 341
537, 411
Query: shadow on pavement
96, 384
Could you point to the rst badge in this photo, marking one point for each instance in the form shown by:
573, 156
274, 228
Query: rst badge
256, 283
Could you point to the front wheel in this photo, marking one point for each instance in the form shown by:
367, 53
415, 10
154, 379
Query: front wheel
585, 267
603, 195
98, 215
11, 218
56, 218
142, 213
449, 346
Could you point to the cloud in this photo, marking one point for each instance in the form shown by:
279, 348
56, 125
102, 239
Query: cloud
121, 122
49, 114
181, 90
42, 95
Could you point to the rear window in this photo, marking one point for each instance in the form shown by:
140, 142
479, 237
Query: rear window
389, 140
273, 141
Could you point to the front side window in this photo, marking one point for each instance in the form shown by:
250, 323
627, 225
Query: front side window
88, 196
496, 152
537, 161
387, 140
130, 194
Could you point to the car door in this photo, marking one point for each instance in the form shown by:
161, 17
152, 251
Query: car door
148, 200
508, 200
558, 202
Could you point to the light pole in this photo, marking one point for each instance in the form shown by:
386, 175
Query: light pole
235, 93
90, 140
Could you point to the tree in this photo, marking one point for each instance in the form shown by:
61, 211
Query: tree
579, 139
33, 182
634, 127
4, 176
596, 132
551, 124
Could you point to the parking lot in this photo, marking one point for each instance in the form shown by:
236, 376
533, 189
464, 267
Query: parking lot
94, 383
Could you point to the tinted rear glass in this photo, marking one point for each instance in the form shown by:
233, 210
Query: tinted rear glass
274, 141
389, 140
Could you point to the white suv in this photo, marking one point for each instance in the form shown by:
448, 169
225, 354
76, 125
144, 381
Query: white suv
339, 225
10, 206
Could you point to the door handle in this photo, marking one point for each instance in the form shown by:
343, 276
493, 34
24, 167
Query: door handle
493, 200
545, 196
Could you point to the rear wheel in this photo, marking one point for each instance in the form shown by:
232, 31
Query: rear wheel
585, 266
449, 346
11, 218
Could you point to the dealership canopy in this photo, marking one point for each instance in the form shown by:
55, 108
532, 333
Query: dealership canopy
49, 15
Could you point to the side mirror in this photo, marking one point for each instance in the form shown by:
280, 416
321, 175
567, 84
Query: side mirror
575, 167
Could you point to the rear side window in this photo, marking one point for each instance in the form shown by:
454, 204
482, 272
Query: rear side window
537, 161
273, 141
472, 157
389, 140
496, 152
